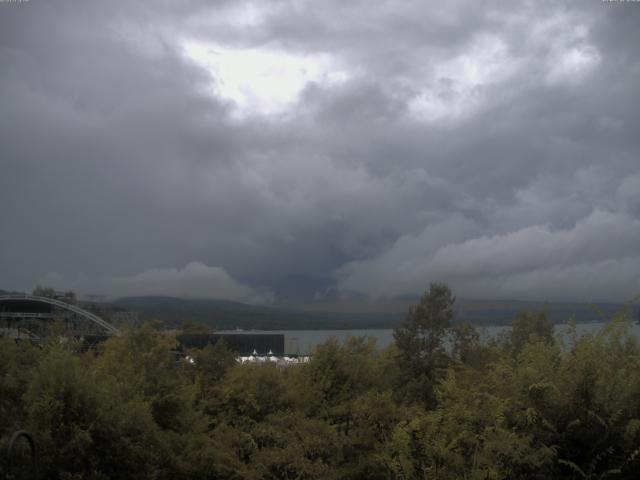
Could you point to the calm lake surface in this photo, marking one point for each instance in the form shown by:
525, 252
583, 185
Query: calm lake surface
304, 341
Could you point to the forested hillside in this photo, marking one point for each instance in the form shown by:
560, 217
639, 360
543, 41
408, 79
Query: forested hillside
223, 314
521, 407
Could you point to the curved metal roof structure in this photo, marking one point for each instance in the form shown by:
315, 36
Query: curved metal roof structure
66, 306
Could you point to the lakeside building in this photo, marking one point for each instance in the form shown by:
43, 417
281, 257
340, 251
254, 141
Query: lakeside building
243, 344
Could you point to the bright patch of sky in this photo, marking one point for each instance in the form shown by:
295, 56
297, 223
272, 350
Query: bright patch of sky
262, 81
571, 65
455, 86
570, 56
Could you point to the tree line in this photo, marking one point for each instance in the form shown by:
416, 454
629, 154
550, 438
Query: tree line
440, 403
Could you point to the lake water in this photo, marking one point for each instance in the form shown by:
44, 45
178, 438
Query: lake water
304, 341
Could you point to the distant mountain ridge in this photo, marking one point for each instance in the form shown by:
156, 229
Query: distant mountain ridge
225, 314
7, 292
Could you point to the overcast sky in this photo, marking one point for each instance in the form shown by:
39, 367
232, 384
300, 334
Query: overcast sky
273, 151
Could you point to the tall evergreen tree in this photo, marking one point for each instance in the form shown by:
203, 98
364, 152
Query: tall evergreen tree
420, 341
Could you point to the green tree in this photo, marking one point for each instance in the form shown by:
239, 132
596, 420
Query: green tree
292, 446
83, 424
248, 394
420, 342
465, 346
530, 327
213, 361
191, 326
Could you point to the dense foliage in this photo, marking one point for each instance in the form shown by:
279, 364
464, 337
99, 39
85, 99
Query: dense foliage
439, 404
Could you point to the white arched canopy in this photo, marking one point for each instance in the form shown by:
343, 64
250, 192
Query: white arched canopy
66, 306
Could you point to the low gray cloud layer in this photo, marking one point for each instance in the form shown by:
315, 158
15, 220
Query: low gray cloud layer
284, 150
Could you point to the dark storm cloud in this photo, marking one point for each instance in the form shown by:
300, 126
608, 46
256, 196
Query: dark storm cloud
493, 145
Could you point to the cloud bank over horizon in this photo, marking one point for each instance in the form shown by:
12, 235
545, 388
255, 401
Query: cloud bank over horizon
289, 151
195, 281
